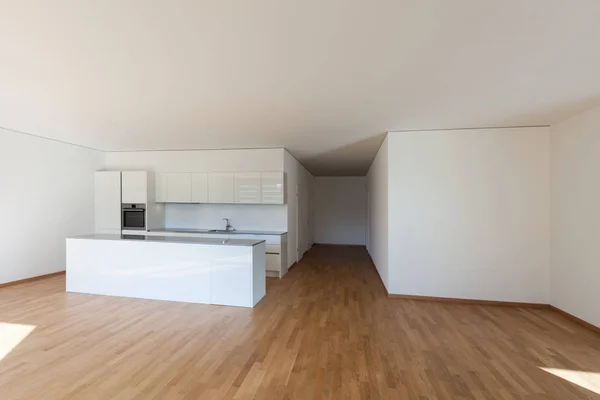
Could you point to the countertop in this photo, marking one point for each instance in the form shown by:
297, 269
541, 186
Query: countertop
173, 239
236, 232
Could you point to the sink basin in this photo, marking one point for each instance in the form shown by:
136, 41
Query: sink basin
220, 231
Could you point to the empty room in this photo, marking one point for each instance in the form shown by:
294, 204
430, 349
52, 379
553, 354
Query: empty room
334, 199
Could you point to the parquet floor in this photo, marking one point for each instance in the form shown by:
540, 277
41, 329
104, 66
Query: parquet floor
326, 331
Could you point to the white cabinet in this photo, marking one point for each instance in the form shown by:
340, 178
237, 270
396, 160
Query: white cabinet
179, 188
275, 247
161, 188
107, 202
229, 281
273, 188
273, 262
199, 188
113, 188
134, 187
182, 187
221, 187
248, 187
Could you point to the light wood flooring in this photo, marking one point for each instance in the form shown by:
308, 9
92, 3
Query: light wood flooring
326, 331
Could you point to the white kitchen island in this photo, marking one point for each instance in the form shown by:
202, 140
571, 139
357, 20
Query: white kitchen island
196, 270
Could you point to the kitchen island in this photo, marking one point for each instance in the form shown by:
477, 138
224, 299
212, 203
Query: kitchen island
196, 270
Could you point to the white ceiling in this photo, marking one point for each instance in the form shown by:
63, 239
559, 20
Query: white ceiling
323, 78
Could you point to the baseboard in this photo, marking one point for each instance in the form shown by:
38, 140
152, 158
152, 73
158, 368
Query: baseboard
454, 300
576, 319
467, 301
496, 303
33, 279
339, 245
379, 276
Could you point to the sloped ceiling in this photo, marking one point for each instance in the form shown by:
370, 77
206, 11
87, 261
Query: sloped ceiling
323, 78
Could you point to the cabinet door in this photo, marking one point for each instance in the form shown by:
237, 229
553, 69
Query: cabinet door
134, 187
179, 188
161, 188
220, 187
273, 188
200, 188
248, 188
231, 279
274, 262
107, 202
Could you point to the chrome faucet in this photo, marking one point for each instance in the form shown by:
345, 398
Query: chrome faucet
228, 226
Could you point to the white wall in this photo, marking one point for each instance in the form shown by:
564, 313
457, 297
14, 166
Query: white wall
299, 208
267, 160
339, 210
377, 212
469, 214
47, 195
242, 217
575, 271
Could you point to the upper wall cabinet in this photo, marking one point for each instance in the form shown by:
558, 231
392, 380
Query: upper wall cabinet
174, 187
248, 188
221, 187
134, 187
200, 188
161, 188
179, 188
273, 187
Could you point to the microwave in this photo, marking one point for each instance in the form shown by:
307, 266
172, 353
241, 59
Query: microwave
133, 217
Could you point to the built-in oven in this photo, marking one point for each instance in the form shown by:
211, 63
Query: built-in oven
134, 217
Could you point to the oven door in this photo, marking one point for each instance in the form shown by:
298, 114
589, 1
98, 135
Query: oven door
134, 219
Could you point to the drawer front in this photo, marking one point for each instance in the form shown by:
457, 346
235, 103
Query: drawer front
273, 262
273, 249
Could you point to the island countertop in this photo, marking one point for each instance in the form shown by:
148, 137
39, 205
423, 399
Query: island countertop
220, 271
172, 239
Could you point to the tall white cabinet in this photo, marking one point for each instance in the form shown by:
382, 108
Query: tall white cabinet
107, 202
115, 188
134, 187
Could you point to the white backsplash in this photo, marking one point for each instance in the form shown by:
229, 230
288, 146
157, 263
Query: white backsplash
242, 217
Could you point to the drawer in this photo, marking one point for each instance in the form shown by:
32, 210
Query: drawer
133, 232
273, 262
273, 249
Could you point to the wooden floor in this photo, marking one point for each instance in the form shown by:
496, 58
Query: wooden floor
326, 331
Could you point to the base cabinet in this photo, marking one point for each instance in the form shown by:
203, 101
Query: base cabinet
275, 247
273, 262
229, 273
174, 271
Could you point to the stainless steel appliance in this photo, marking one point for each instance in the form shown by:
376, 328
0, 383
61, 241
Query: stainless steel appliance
134, 217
